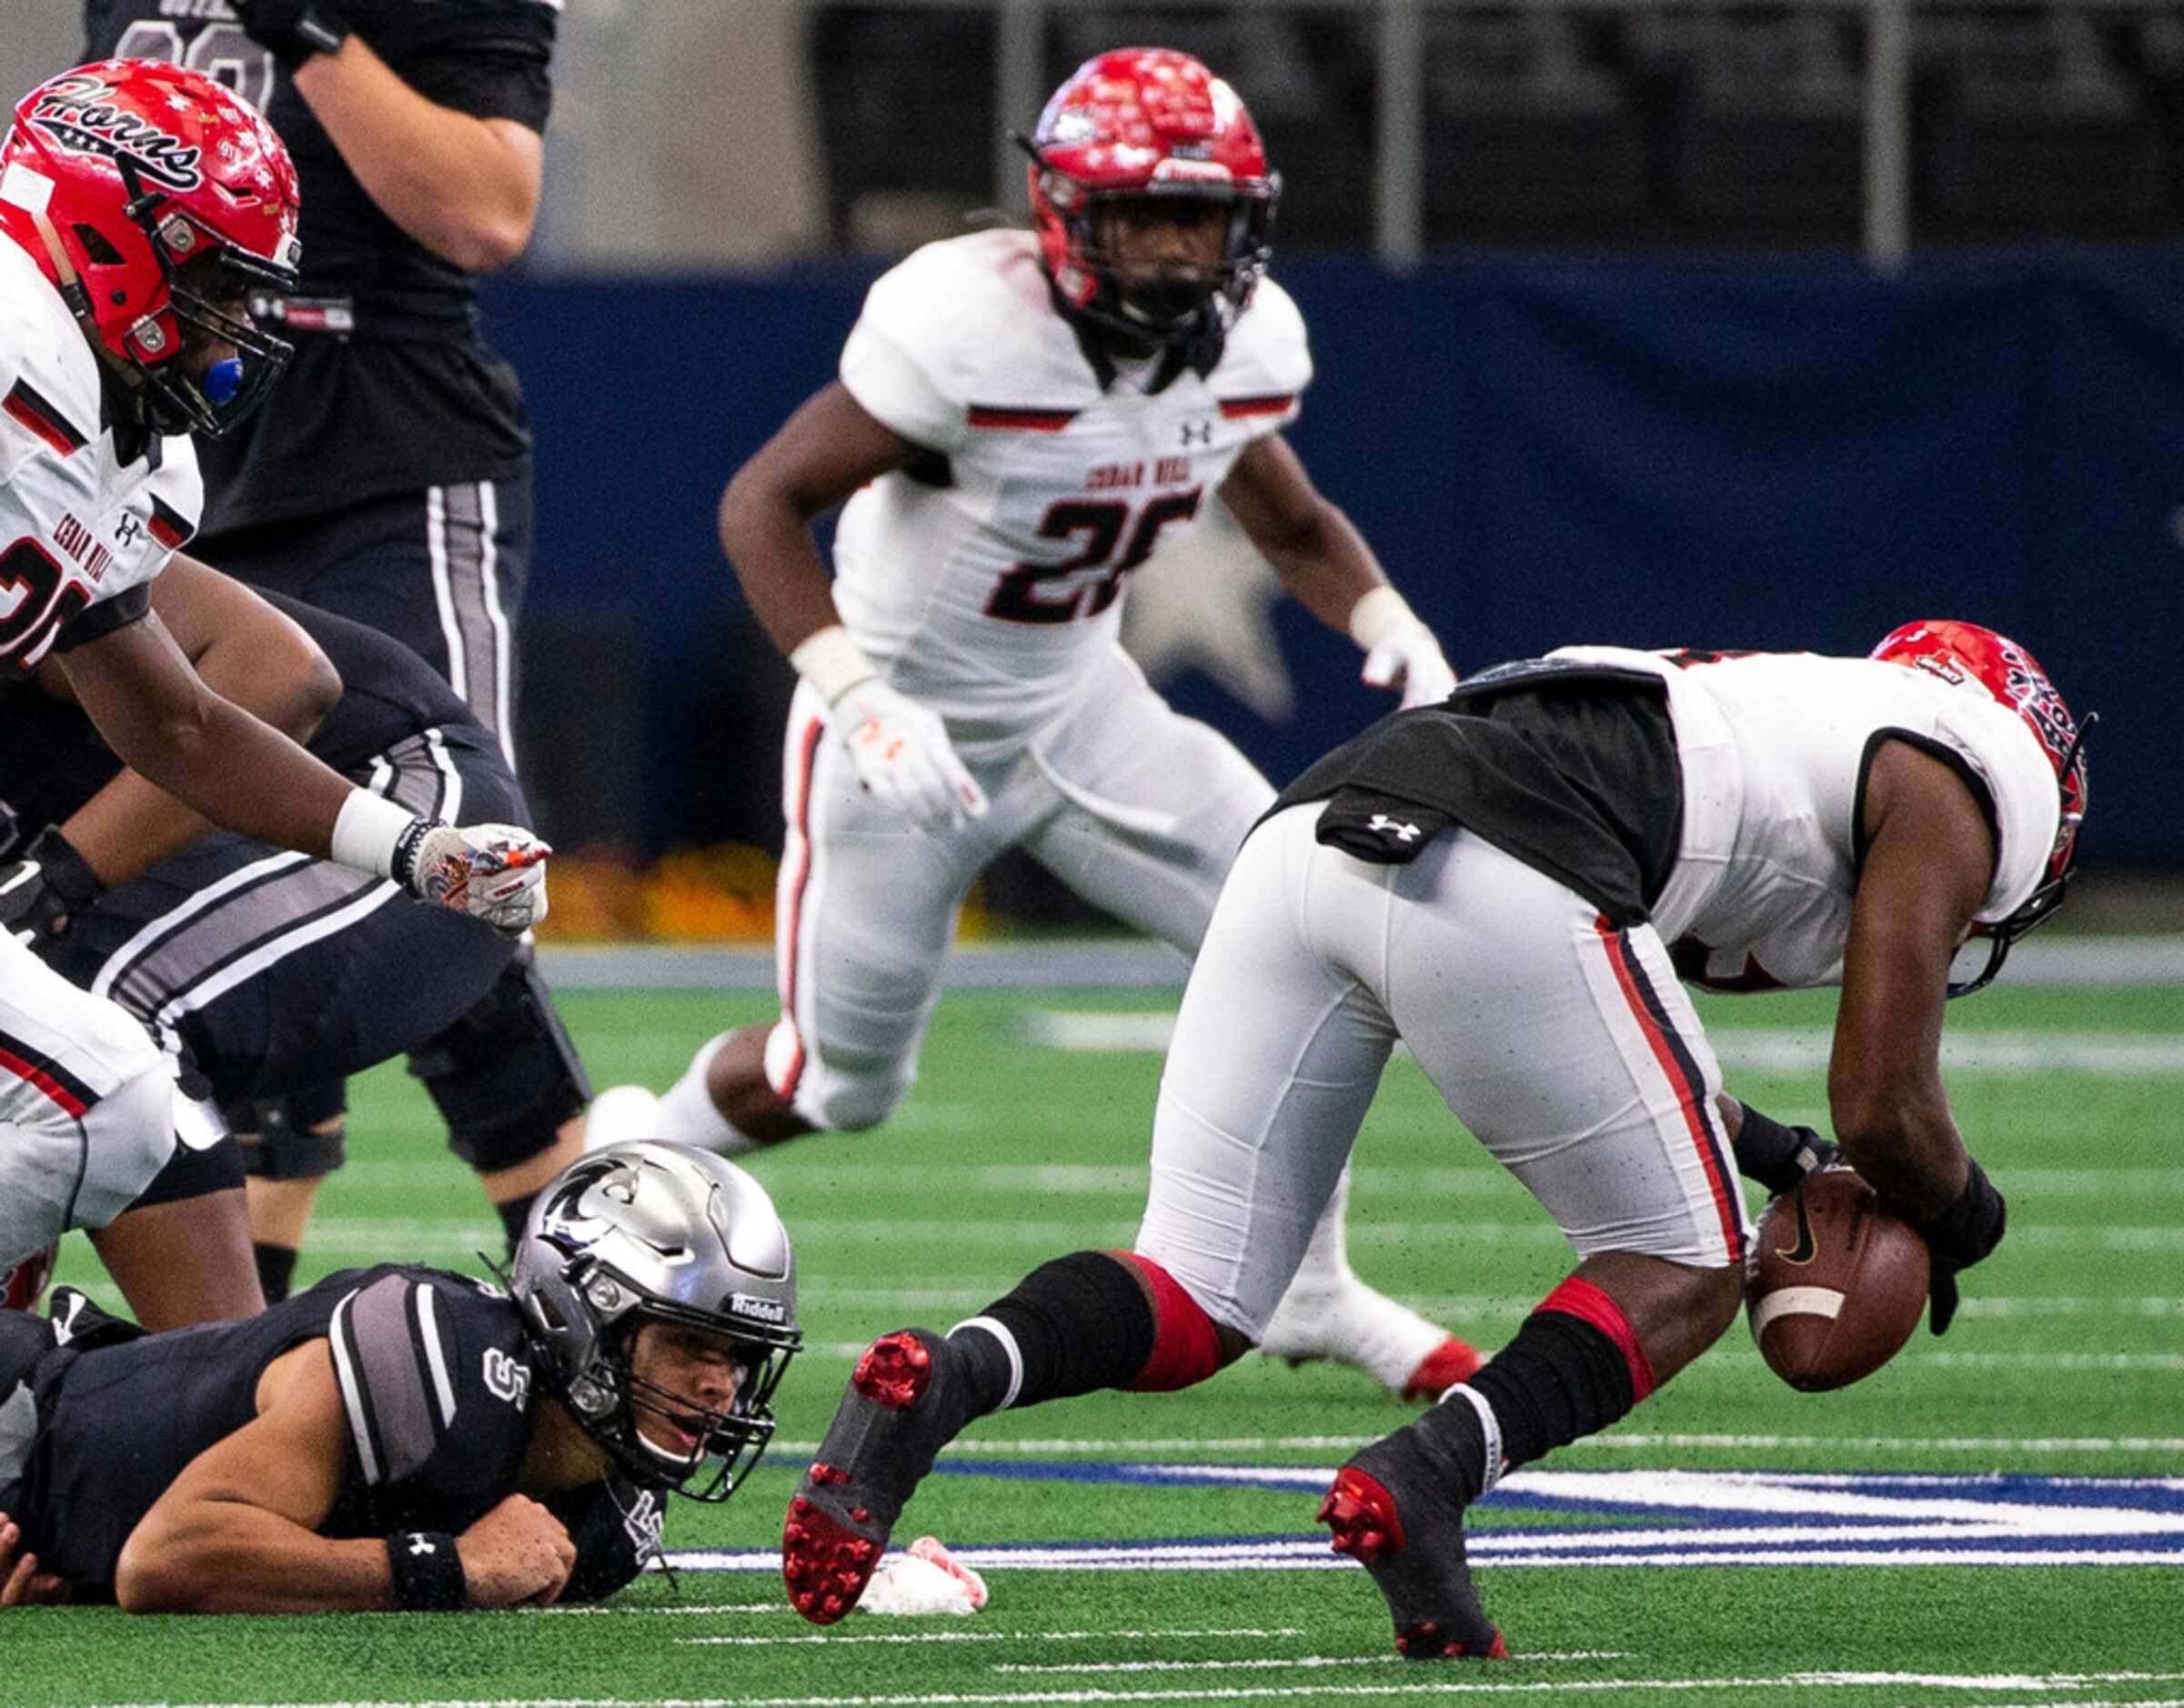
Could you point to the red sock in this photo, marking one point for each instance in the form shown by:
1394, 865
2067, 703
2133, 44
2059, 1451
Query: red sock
1588, 1303
1186, 1349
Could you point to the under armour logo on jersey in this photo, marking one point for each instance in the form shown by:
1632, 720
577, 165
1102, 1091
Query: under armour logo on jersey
1197, 433
421, 1543
125, 529
1387, 827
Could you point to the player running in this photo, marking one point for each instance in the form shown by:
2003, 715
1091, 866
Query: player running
140, 206
1020, 417
1511, 883
266, 973
406, 1438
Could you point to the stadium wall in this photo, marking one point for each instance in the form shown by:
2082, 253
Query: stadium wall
1656, 450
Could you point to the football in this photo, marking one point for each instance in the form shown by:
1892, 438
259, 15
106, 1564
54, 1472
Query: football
1836, 1283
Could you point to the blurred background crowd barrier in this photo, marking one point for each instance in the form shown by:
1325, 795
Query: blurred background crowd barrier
1663, 324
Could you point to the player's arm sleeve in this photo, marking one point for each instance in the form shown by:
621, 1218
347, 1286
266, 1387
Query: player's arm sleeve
2015, 785
1264, 384
605, 1522
395, 1352
131, 606
492, 60
899, 363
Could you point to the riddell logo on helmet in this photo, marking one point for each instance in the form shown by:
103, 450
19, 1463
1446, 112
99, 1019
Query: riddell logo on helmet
760, 1309
79, 112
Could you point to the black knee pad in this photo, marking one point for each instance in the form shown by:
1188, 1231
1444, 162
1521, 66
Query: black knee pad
219, 1168
505, 1076
278, 1141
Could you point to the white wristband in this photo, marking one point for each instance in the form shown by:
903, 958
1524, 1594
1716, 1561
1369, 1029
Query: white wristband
1378, 615
366, 831
831, 662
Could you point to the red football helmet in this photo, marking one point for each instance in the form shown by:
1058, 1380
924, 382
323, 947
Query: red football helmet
1139, 125
156, 201
1970, 655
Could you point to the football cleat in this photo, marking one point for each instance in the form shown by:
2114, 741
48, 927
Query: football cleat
1348, 1323
907, 1400
1452, 1362
1387, 1512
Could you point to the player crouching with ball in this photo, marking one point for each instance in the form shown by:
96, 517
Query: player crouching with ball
310, 1460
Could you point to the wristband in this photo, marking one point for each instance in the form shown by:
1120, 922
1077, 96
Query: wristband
1971, 1227
67, 874
831, 662
1777, 1156
1378, 615
428, 1571
366, 832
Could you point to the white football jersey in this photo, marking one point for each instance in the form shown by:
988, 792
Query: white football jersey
983, 577
1775, 749
77, 529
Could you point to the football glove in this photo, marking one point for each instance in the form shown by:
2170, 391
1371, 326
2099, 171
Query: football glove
903, 756
1410, 659
42, 893
1959, 1237
292, 30
494, 872
1778, 1157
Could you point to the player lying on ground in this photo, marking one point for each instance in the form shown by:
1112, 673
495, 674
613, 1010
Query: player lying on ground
1498, 882
266, 975
401, 1437
1019, 417
140, 206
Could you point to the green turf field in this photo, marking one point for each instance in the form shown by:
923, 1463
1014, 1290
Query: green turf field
2067, 1364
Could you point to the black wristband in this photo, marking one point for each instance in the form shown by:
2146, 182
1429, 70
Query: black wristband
1964, 1234
403, 866
67, 874
428, 1571
1777, 1156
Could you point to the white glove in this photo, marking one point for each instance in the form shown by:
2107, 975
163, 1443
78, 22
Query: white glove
903, 755
494, 872
1410, 659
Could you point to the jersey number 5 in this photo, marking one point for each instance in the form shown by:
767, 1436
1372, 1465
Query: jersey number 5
46, 601
1022, 595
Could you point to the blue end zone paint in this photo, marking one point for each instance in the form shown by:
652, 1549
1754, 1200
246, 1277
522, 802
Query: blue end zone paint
1632, 1518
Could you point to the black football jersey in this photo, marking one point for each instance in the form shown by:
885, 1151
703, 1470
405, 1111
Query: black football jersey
396, 392
437, 1383
54, 760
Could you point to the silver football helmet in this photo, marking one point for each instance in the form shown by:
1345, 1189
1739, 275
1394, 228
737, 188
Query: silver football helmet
653, 1232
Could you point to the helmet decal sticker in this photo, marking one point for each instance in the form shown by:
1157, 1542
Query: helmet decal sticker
79, 114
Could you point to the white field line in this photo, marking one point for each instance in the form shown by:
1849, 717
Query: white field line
1002, 1636
1040, 1447
1740, 1369
1263, 1663
394, 1240
1753, 1049
2024, 1684
1070, 1180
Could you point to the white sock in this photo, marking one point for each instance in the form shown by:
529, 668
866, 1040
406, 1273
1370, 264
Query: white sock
687, 1114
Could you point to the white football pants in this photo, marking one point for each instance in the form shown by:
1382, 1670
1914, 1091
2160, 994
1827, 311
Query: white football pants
1138, 810
1567, 1046
88, 1107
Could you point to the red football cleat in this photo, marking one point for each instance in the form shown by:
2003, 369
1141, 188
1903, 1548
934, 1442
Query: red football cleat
1419, 1565
1452, 1362
905, 1402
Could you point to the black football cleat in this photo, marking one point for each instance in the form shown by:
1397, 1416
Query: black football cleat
906, 1400
1388, 1513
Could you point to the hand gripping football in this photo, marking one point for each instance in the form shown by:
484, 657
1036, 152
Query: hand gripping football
1837, 1283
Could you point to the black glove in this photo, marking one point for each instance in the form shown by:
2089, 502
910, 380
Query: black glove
1778, 1157
42, 893
1959, 1237
293, 29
